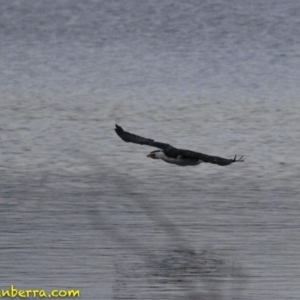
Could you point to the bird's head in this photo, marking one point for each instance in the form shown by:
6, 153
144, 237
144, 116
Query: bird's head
155, 154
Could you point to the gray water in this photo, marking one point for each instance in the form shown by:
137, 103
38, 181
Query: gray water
82, 209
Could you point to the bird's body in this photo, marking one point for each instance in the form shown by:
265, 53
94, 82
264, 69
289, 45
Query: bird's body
171, 154
159, 154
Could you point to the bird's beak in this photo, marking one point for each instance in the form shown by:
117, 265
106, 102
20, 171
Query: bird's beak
151, 155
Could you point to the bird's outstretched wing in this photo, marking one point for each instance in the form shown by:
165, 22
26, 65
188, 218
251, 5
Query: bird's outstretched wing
208, 158
132, 138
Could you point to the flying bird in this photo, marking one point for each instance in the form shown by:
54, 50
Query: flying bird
173, 155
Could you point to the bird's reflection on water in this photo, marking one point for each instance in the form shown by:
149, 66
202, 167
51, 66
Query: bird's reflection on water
170, 269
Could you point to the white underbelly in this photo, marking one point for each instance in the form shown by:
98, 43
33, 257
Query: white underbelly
182, 162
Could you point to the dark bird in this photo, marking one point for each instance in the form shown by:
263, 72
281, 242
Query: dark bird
173, 155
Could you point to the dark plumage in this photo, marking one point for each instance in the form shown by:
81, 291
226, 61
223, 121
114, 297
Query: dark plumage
173, 155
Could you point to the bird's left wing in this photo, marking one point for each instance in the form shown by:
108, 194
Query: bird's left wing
133, 138
209, 158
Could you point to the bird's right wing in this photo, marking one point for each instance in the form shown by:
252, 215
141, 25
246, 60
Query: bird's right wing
133, 138
208, 158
